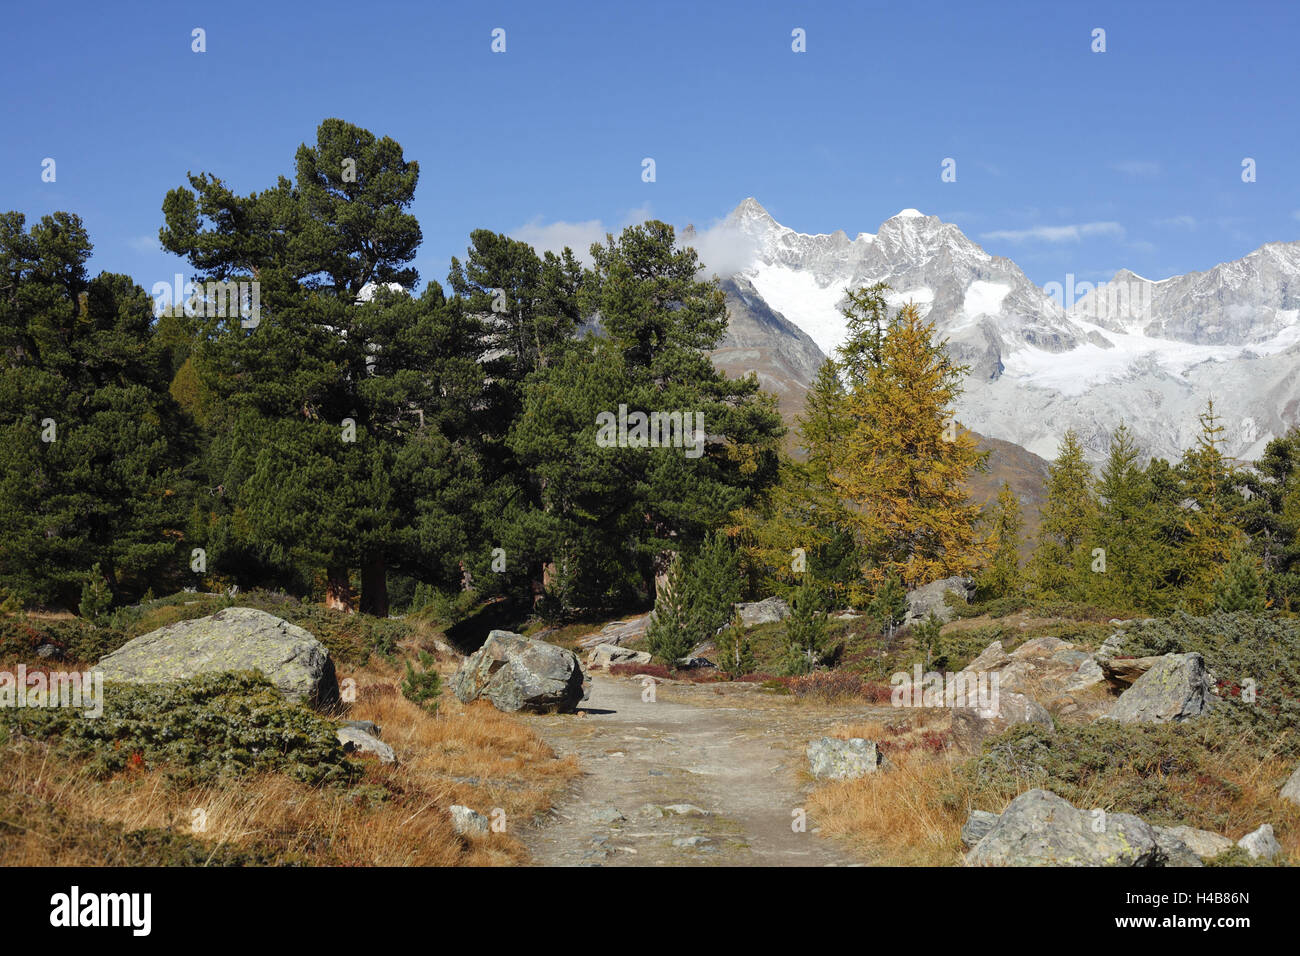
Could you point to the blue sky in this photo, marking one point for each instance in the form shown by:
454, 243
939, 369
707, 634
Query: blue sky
1068, 161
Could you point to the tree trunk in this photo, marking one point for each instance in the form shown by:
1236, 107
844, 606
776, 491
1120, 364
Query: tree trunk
374, 587
338, 590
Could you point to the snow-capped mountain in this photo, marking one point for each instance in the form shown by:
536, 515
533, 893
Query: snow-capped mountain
1149, 353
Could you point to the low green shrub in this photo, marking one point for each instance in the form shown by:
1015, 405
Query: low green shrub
208, 727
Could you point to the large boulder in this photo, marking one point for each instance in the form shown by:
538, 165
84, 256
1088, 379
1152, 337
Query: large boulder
970, 725
1040, 828
233, 639
1174, 688
831, 758
519, 673
767, 611
932, 598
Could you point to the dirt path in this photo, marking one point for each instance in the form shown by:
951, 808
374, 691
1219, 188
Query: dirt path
705, 775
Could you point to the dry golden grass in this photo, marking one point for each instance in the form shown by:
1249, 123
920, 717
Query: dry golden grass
912, 814
394, 816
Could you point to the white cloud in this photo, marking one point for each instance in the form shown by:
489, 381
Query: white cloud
578, 236
1070, 233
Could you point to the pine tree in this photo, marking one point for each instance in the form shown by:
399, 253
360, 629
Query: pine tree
321, 367
1059, 559
906, 462
93, 450
735, 653
673, 632
805, 629
1003, 576
889, 606
1240, 586
1270, 515
1208, 479
1125, 528
611, 512
801, 525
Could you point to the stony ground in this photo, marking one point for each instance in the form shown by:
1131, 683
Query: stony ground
705, 775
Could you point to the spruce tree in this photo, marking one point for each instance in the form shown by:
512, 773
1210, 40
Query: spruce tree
1003, 578
1239, 586
673, 631
888, 606
1124, 527
1059, 559
1208, 480
805, 629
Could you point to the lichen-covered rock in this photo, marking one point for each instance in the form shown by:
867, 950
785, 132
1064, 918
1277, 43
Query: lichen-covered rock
831, 758
519, 673
767, 611
233, 639
1040, 828
1175, 688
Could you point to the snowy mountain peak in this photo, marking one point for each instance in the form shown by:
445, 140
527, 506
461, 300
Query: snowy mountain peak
1085, 356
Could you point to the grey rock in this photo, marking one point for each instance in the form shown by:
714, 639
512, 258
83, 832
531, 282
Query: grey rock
684, 810
355, 740
1040, 828
1088, 675
517, 673
468, 822
607, 815
977, 825
1123, 672
1176, 850
1261, 844
48, 652
970, 725
1111, 645
1175, 688
831, 758
617, 632
603, 655
1204, 843
367, 726
233, 639
767, 611
932, 599
1291, 789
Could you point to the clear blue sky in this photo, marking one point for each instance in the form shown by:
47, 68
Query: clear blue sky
1139, 149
